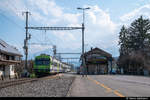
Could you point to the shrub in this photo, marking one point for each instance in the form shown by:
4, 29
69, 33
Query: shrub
32, 75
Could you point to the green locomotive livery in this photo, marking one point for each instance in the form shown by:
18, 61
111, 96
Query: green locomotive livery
45, 64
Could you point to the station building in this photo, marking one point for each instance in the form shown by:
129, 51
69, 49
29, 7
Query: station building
9, 58
97, 61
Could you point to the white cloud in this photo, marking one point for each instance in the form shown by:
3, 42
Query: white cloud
51, 13
101, 31
36, 16
101, 19
65, 36
143, 10
47, 7
15, 7
71, 18
93, 17
38, 48
98, 24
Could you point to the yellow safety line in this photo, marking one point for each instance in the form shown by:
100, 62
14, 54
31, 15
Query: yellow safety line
119, 94
108, 89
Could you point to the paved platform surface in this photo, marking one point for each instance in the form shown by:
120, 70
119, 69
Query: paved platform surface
83, 87
110, 86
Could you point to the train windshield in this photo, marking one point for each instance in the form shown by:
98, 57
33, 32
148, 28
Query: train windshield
42, 61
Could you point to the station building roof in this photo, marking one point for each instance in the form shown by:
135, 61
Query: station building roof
98, 51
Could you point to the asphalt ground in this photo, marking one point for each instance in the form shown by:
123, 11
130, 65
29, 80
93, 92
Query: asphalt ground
110, 86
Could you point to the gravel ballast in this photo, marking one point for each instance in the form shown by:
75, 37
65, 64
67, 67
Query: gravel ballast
57, 87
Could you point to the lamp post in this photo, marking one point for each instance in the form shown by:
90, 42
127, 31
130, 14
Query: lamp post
83, 59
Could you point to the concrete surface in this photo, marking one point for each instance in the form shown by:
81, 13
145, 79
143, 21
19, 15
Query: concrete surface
109, 86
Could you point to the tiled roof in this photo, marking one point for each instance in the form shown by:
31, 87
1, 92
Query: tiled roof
100, 51
6, 48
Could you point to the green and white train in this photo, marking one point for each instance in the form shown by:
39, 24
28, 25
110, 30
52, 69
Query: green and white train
45, 64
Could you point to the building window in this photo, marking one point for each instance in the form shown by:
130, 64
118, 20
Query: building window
17, 58
12, 58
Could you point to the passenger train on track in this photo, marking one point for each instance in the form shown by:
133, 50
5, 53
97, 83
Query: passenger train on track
46, 64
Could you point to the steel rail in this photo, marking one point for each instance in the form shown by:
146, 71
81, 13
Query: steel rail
25, 80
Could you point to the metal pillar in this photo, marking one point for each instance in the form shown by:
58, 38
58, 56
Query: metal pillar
83, 28
26, 42
83, 59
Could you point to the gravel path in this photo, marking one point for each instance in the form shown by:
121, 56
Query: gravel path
42, 88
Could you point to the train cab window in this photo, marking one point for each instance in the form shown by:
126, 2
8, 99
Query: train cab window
42, 61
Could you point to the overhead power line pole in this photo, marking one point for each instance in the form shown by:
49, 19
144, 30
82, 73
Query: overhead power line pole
83, 28
28, 36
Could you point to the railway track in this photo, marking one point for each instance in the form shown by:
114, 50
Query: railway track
25, 80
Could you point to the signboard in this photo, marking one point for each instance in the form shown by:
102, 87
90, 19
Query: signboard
96, 59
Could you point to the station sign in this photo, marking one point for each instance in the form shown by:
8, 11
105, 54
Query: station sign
96, 58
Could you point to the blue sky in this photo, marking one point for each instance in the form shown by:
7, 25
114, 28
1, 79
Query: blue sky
103, 22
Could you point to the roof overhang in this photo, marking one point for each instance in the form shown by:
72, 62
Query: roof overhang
9, 62
12, 54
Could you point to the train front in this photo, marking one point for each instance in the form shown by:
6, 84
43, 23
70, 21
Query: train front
42, 65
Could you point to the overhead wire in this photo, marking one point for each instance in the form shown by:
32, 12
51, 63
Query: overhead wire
44, 42
13, 8
46, 37
13, 23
